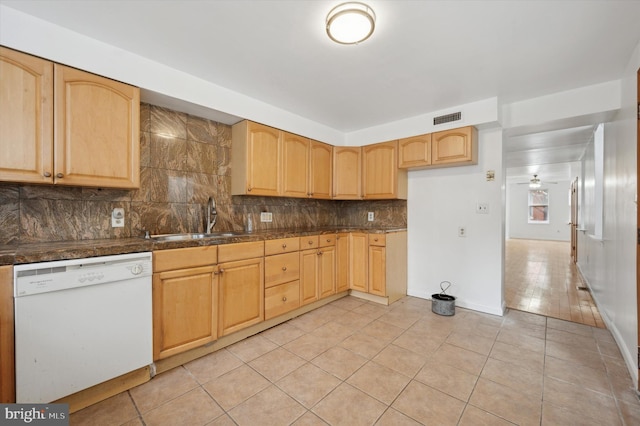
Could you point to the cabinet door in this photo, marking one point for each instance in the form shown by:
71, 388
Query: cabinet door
380, 170
377, 270
415, 151
263, 160
97, 136
358, 261
26, 118
295, 165
184, 303
347, 173
327, 271
320, 170
342, 262
241, 294
454, 146
309, 276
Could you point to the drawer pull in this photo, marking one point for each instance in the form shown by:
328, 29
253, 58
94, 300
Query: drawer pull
310, 242
284, 246
284, 268
59, 175
284, 298
47, 174
328, 240
375, 239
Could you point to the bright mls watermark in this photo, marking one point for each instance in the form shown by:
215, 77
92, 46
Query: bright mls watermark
34, 414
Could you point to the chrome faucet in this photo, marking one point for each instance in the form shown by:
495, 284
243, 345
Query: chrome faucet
212, 214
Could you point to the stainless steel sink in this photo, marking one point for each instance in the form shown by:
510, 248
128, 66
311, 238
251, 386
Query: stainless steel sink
197, 236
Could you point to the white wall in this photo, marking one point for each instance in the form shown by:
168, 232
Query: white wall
441, 200
559, 213
609, 264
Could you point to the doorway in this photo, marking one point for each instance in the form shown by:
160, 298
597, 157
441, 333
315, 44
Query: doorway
541, 278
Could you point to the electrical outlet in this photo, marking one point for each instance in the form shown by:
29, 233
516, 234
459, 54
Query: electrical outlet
370, 216
117, 218
462, 231
266, 217
482, 208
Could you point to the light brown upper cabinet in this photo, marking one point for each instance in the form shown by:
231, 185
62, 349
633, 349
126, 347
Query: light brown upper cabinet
414, 151
295, 165
255, 157
455, 147
65, 126
381, 178
347, 173
320, 170
272, 162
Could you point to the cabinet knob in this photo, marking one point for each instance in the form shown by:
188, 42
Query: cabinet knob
284, 246
221, 271
328, 240
47, 174
59, 175
375, 239
284, 268
249, 189
284, 298
319, 253
310, 242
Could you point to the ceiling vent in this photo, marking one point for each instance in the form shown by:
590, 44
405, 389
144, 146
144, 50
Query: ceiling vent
447, 118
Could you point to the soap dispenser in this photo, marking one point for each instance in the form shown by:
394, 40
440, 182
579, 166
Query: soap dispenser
249, 224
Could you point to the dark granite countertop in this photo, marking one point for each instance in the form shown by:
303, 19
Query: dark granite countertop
62, 250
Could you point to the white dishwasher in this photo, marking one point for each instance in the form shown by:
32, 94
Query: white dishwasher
80, 322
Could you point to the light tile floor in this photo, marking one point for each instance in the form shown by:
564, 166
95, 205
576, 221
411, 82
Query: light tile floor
541, 278
353, 362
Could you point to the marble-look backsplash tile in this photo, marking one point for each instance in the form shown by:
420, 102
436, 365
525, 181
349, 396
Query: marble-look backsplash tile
183, 161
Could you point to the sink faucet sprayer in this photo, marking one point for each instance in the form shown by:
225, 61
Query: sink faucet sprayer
212, 214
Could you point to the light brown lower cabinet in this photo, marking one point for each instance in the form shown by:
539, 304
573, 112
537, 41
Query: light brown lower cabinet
282, 277
185, 299
318, 268
184, 310
241, 294
342, 262
358, 259
377, 265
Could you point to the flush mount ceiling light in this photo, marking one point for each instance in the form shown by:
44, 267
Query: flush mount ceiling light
350, 23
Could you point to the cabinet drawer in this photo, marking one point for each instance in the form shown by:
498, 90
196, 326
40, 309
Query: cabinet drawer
281, 245
282, 298
377, 240
309, 242
281, 268
240, 251
327, 240
183, 258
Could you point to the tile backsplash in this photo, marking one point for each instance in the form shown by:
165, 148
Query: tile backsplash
183, 161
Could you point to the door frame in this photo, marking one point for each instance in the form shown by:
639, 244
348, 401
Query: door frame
574, 220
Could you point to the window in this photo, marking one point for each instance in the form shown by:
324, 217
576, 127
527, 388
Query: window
538, 206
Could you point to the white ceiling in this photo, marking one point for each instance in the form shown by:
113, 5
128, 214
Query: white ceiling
424, 55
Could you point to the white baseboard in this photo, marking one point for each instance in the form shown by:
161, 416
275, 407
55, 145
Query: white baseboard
473, 306
630, 359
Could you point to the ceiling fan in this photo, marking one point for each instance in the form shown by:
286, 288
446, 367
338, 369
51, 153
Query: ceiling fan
535, 182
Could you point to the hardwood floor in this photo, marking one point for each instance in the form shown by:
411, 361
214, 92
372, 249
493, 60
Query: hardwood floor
541, 278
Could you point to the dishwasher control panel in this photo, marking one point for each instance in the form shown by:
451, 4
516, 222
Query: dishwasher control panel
44, 277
